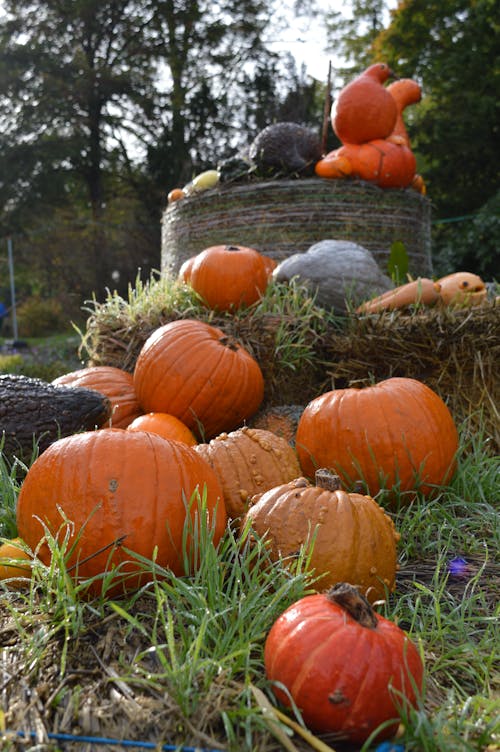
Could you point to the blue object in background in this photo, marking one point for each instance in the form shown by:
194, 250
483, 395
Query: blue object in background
389, 747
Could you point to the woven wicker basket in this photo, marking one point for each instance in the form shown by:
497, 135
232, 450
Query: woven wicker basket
282, 217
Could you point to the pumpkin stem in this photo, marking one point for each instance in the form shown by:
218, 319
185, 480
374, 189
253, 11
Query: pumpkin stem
229, 342
324, 478
232, 248
356, 605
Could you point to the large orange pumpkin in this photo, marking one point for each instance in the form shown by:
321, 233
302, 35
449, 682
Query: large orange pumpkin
364, 109
397, 433
117, 385
119, 489
229, 276
194, 371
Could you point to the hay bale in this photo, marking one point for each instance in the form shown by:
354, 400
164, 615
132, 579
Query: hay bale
282, 217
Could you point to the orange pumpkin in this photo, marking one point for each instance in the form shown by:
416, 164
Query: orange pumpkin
229, 276
164, 425
396, 434
119, 489
354, 539
270, 264
185, 269
175, 194
364, 109
15, 570
194, 371
115, 384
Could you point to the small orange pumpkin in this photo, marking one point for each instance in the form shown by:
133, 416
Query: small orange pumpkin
185, 269
15, 571
229, 276
175, 194
164, 425
114, 383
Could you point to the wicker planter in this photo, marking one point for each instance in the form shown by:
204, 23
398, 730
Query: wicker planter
282, 217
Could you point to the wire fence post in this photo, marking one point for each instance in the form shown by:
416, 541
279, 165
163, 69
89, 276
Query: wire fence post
12, 288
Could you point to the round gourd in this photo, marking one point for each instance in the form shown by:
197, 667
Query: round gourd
354, 539
15, 566
119, 489
115, 384
364, 109
396, 434
247, 462
167, 426
229, 276
347, 669
194, 371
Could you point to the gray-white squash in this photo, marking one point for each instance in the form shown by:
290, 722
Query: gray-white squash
342, 274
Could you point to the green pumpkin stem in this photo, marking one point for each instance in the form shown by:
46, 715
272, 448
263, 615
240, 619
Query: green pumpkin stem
356, 605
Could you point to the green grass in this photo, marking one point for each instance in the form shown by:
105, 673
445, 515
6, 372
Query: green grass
192, 646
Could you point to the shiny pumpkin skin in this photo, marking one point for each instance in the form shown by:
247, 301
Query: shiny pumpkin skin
167, 426
15, 564
354, 539
338, 672
248, 461
194, 371
114, 383
113, 484
364, 109
229, 276
398, 432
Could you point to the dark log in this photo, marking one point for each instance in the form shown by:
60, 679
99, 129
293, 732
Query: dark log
34, 412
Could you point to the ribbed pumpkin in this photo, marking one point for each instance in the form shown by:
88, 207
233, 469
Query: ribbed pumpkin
347, 669
282, 420
194, 371
117, 486
398, 432
354, 539
247, 462
167, 426
114, 383
364, 109
229, 276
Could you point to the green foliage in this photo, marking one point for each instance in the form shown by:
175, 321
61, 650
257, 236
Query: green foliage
470, 245
397, 264
38, 317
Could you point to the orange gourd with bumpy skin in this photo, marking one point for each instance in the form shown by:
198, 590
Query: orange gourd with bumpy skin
119, 489
354, 539
247, 462
229, 276
347, 669
364, 110
114, 383
397, 433
383, 162
194, 371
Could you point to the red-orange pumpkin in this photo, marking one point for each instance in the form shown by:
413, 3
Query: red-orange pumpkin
347, 669
364, 109
117, 486
15, 564
229, 276
167, 426
117, 385
185, 269
194, 371
397, 433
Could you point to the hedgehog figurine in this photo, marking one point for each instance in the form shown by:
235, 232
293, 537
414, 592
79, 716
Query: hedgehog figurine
285, 149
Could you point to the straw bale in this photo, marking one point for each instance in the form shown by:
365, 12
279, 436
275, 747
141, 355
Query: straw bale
282, 217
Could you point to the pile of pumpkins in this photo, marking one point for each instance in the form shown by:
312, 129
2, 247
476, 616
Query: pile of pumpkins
178, 446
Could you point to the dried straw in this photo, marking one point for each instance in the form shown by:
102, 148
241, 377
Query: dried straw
282, 217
